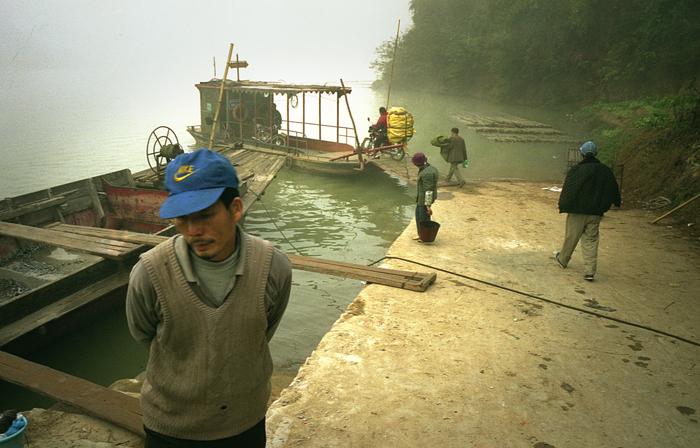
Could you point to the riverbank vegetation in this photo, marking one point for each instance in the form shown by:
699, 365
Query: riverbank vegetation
627, 67
657, 142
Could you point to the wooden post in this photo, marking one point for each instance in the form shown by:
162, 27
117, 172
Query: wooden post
95, 199
221, 95
56, 209
238, 68
357, 138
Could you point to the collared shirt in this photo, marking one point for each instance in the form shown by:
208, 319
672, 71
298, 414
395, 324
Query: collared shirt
143, 310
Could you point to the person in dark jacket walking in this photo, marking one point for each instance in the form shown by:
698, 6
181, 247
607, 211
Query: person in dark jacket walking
590, 188
456, 156
427, 190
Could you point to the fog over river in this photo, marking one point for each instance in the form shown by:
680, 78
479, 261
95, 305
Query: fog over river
83, 89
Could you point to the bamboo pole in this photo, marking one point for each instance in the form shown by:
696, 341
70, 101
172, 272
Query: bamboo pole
357, 138
682, 205
221, 95
391, 76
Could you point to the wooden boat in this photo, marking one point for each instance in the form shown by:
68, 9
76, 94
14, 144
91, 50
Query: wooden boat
52, 281
248, 113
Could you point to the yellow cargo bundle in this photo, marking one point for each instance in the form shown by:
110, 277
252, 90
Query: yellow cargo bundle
399, 125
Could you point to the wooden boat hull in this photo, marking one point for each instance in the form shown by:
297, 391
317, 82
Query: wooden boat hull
52, 282
51, 289
303, 153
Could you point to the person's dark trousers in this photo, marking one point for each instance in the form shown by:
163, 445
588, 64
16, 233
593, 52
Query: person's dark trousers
252, 438
421, 215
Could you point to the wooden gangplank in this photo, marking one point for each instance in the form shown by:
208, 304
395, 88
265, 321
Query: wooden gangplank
256, 166
365, 151
403, 169
115, 407
415, 281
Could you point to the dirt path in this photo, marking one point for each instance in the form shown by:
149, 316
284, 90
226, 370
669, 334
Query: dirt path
505, 349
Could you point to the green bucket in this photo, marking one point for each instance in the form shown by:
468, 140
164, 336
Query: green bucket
16, 440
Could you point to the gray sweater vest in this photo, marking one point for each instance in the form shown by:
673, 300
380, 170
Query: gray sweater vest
208, 375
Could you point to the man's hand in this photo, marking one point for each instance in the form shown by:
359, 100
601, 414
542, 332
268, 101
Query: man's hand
430, 210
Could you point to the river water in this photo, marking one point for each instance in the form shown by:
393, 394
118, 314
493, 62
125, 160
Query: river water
54, 135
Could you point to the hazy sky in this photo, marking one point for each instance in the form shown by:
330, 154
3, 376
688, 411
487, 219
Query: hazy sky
298, 41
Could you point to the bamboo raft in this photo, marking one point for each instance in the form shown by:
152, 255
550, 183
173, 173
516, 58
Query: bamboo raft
509, 129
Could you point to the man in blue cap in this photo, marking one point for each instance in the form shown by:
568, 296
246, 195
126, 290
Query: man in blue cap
590, 188
206, 304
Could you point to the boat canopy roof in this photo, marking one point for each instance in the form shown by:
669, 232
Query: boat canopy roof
277, 88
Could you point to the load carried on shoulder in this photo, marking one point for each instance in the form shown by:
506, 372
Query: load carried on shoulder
400, 125
443, 143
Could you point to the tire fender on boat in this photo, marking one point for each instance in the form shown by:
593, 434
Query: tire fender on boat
240, 112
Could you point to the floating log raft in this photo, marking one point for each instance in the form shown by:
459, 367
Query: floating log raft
509, 129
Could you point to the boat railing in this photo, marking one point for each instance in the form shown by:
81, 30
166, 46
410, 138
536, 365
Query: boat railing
343, 134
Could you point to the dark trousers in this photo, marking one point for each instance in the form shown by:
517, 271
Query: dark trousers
421, 215
252, 438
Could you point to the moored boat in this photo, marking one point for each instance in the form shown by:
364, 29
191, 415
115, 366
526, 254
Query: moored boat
55, 274
249, 113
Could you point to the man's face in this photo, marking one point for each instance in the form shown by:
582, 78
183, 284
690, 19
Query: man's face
212, 232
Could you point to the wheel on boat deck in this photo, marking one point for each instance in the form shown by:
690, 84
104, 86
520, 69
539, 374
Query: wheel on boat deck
161, 148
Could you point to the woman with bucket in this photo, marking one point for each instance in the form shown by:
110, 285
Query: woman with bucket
427, 194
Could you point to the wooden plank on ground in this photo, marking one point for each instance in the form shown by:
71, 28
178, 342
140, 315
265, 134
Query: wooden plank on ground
112, 406
109, 248
415, 281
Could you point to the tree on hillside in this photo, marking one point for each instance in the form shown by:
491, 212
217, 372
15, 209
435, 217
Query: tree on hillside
546, 50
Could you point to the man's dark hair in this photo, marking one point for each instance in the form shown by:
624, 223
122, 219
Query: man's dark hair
455, 130
228, 195
382, 110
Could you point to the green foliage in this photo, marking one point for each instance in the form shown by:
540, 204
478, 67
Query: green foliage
664, 112
547, 51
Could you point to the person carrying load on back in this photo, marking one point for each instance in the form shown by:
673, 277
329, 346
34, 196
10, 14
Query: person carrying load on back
456, 156
380, 128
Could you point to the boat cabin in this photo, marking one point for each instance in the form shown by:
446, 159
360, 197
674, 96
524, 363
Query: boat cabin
272, 113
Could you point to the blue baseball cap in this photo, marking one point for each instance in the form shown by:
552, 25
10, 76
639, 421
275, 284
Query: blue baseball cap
589, 149
195, 181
